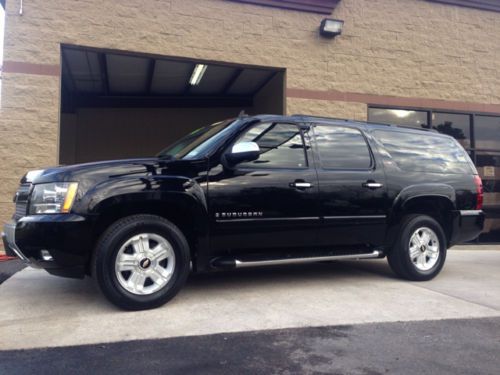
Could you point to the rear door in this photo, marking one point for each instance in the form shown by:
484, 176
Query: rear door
352, 193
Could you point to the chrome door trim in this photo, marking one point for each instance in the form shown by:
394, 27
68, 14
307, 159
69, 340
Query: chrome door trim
355, 217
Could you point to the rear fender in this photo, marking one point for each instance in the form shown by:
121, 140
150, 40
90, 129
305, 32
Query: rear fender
413, 199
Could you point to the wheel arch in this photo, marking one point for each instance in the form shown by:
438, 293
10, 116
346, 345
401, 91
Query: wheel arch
185, 208
435, 200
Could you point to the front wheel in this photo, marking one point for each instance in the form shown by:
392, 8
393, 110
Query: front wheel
141, 262
420, 250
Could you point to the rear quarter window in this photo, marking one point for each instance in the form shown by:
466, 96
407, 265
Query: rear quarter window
424, 152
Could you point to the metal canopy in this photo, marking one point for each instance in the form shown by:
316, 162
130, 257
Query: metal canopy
101, 78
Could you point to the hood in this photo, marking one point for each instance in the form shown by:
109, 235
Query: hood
92, 173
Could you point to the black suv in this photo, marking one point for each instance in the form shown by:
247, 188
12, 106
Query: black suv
252, 191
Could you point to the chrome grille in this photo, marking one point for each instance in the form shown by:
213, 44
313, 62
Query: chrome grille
22, 201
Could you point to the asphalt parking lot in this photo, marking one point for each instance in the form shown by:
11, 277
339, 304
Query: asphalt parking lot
346, 313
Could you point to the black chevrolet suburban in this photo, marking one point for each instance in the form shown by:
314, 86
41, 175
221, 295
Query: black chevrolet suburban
251, 191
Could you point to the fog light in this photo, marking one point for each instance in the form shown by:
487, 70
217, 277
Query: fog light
330, 27
46, 255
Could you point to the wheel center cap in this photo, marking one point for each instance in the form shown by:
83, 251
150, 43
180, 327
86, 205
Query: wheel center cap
422, 248
145, 263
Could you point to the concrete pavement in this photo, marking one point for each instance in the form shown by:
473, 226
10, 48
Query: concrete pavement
39, 310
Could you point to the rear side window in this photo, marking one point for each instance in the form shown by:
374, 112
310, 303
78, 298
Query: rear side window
424, 152
342, 148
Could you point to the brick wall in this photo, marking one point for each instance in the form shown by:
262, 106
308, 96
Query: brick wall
389, 48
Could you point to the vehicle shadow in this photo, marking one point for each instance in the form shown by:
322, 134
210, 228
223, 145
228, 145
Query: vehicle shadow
310, 272
47, 291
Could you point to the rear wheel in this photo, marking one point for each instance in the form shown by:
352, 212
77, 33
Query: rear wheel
419, 252
141, 262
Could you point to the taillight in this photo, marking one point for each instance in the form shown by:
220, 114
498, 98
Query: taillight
479, 191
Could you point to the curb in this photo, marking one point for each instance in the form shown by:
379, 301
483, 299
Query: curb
4, 258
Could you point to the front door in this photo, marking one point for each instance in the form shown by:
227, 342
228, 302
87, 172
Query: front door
352, 193
269, 203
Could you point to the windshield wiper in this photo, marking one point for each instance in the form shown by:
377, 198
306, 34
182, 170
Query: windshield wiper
166, 157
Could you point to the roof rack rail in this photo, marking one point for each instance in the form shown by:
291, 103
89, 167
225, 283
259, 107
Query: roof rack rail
414, 128
323, 117
340, 119
366, 122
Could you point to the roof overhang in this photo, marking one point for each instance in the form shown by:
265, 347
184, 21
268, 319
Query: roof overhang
95, 78
493, 5
314, 6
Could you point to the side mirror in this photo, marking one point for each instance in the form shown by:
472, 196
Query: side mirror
243, 151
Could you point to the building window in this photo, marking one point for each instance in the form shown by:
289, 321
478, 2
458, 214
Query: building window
417, 119
456, 125
487, 129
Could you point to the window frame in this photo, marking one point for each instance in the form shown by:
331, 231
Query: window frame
245, 166
372, 165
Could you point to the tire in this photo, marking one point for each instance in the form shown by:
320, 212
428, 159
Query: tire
141, 262
419, 252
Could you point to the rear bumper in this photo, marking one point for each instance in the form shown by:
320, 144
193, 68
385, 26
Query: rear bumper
60, 244
467, 225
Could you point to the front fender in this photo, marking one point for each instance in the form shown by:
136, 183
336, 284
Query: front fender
181, 190
165, 195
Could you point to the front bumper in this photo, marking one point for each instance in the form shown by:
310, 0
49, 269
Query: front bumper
65, 238
467, 225
9, 242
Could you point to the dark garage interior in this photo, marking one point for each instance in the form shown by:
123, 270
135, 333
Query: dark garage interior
120, 105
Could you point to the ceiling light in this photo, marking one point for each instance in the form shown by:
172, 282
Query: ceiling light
330, 27
197, 75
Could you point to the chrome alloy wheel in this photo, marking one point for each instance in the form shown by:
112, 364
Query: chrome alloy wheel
145, 263
424, 248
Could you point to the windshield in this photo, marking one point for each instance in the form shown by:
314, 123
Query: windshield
198, 143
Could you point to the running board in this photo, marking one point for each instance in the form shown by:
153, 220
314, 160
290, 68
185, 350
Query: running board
227, 262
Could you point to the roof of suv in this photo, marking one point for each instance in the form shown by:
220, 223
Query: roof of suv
337, 121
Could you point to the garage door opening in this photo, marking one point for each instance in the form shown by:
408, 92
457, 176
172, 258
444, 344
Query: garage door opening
122, 105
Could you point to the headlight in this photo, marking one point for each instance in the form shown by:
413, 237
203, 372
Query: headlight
53, 198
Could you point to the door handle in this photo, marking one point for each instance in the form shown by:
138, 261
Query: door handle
301, 185
372, 185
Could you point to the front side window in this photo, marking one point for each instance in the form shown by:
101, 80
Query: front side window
281, 146
342, 148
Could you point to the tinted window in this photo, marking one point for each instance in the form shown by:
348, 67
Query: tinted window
197, 143
342, 148
487, 132
280, 145
456, 125
424, 152
417, 119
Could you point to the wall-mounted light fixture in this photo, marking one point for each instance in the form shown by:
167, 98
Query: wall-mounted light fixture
197, 74
331, 28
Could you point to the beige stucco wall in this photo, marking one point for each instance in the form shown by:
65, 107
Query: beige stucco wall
407, 48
